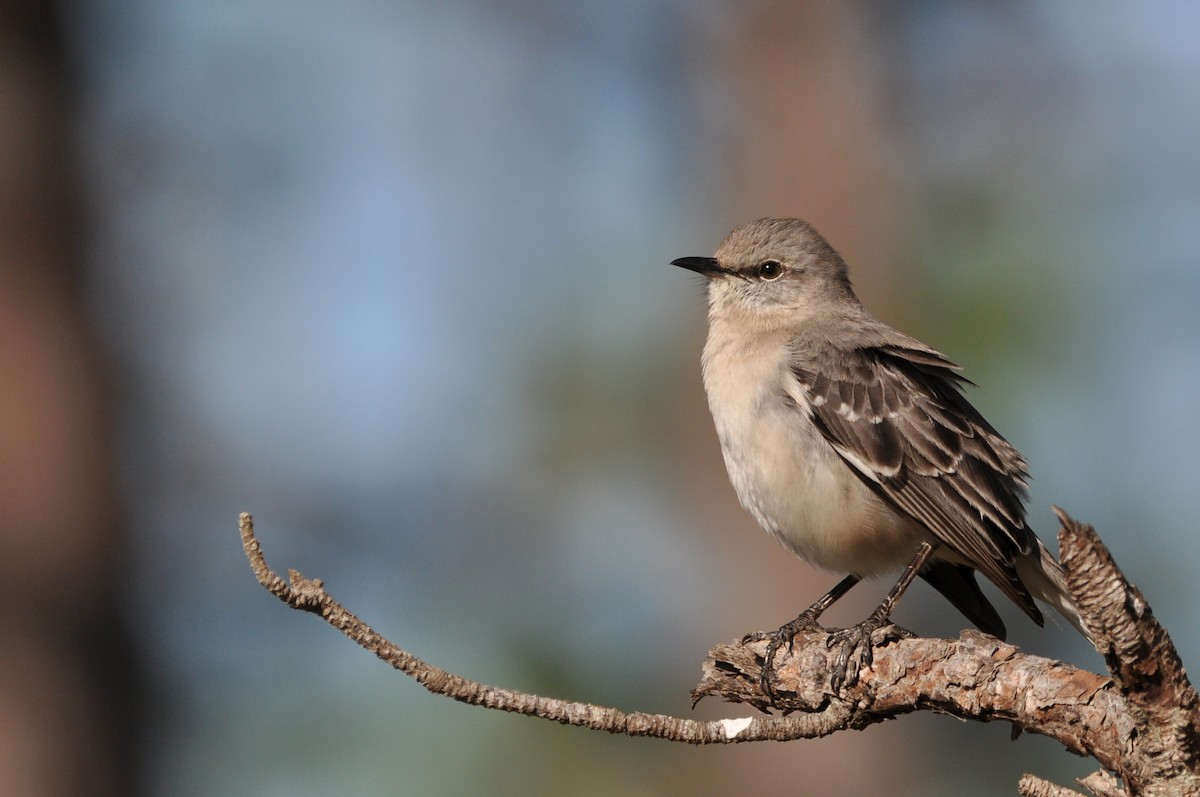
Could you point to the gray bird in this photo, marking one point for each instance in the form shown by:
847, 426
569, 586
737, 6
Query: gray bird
853, 445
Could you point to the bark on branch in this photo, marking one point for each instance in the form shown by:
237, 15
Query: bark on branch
1141, 723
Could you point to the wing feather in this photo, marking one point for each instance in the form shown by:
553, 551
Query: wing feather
896, 414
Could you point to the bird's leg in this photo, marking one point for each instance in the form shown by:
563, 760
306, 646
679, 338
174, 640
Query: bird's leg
787, 632
856, 642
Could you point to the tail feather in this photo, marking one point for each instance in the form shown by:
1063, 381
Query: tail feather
958, 585
1044, 577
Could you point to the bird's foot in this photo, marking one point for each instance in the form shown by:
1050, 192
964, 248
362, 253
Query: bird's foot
856, 647
786, 635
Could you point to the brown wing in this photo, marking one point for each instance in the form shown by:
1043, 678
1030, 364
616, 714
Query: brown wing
897, 417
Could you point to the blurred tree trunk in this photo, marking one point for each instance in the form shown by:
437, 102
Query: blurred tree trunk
805, 104
813, 127
68, 694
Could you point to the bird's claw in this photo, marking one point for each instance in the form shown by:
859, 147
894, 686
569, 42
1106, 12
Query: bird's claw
856, 646
854, 653
785, 635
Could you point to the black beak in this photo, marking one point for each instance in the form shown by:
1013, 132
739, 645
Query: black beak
708, 266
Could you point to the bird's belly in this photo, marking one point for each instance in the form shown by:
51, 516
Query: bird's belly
793, 482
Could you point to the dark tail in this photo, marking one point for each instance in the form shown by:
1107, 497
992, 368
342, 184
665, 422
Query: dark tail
957, 583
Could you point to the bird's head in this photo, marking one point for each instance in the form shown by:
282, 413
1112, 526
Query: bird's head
773, 273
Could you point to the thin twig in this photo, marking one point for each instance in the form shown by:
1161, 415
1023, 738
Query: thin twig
310, 595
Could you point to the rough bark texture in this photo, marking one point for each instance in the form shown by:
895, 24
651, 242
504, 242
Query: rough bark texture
973, 677
1140, 724
1161, 723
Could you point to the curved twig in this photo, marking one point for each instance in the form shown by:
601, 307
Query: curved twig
309, 595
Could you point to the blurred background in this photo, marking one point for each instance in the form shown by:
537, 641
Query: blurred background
394, 278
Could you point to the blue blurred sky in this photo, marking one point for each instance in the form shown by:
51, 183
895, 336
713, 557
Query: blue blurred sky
393, 277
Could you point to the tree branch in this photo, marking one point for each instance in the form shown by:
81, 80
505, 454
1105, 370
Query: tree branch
1033, 786
1160, 727
309, 595
974, 677
1143, 724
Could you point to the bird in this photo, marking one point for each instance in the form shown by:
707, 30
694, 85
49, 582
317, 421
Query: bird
854, 445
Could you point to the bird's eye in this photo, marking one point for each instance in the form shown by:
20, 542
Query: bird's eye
770, 269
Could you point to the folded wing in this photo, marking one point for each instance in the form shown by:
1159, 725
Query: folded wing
897, 416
